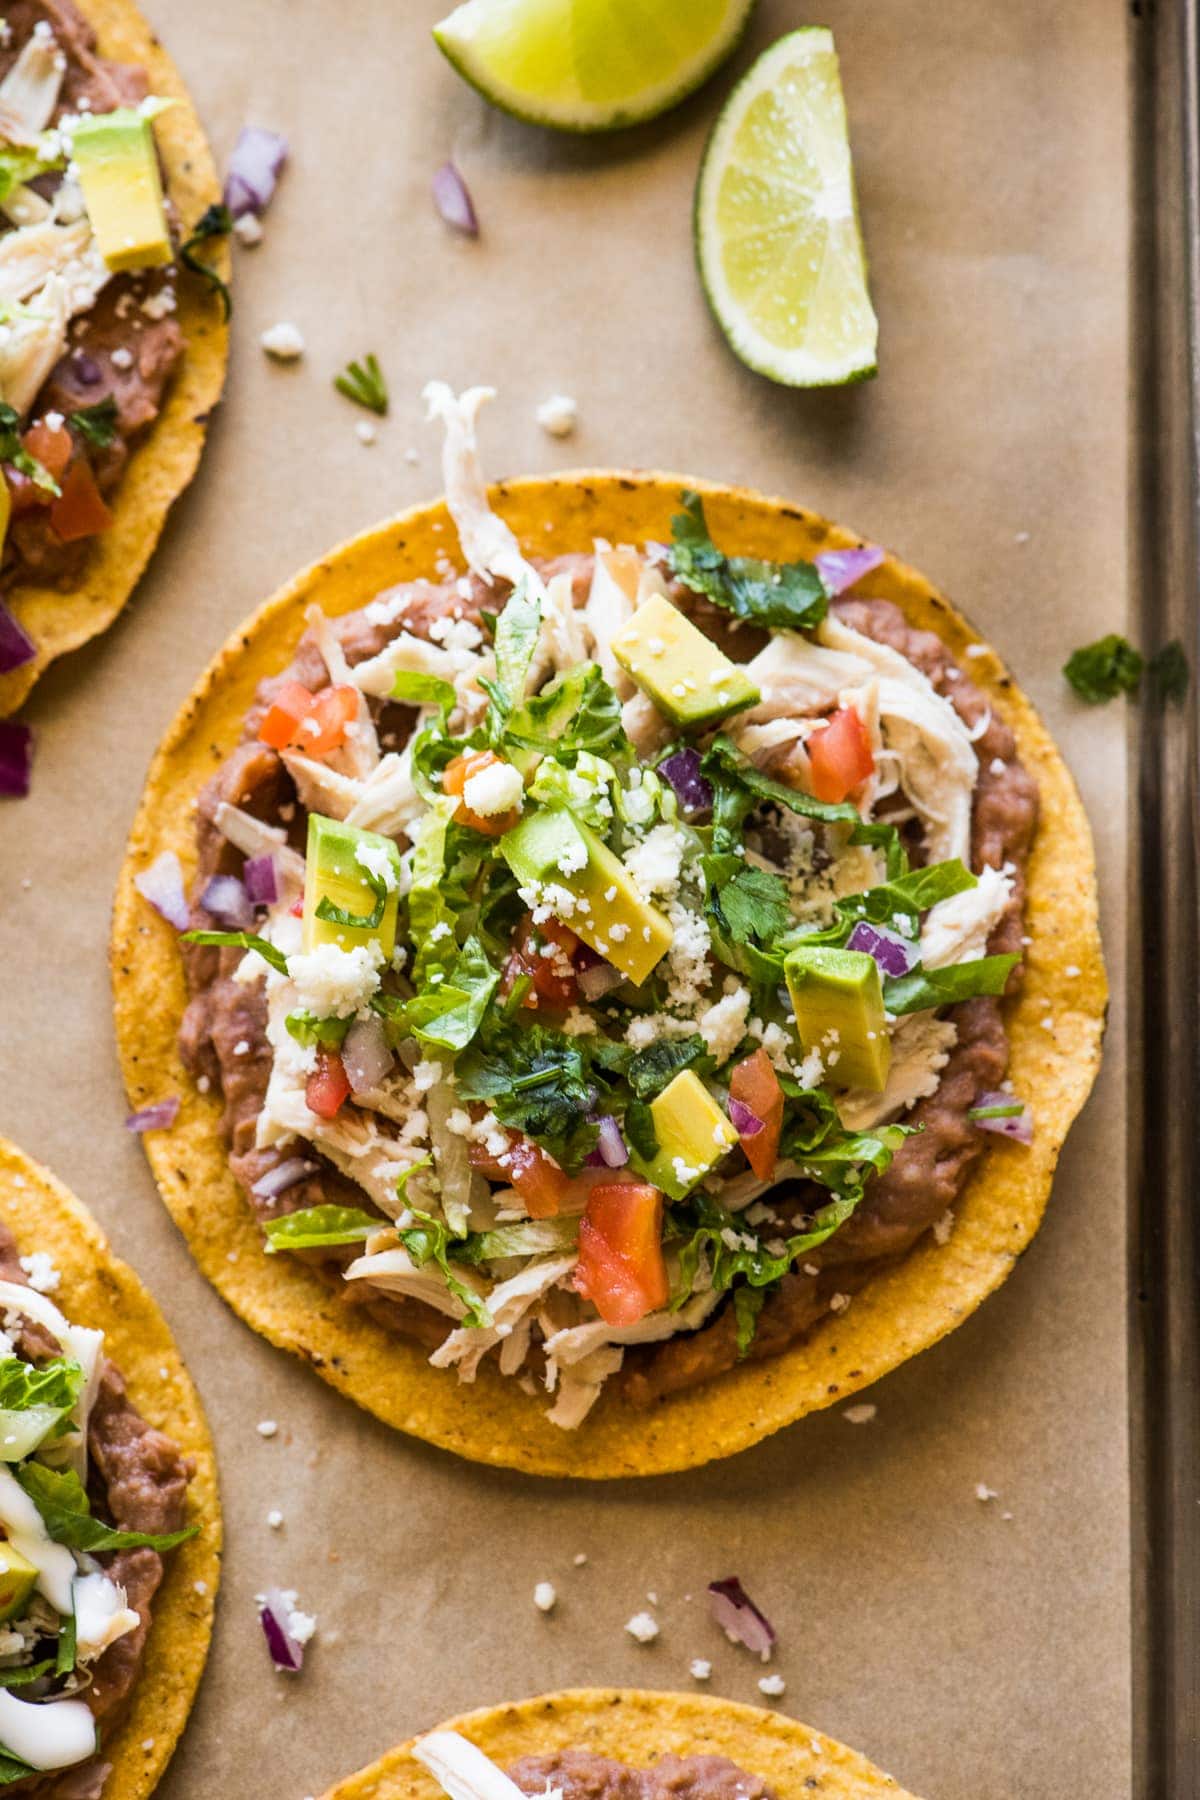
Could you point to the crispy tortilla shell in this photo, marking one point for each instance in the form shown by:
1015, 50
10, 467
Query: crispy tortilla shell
99, 1290
900, 1312
636, 1728
164, 458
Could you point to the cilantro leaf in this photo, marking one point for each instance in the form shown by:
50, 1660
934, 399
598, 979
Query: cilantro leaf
246, 940
738, 787
316, 1227
1102, 670
905, 898
63, 1505
97, 424
536, 1081
639, 1130
13, 452
659, 1063
787, 595
750, 905
215, 222
429, 1241
923, 988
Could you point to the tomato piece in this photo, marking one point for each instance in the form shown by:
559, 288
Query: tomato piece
281, 726
79, 511
51, 445
328, 1085
755, 1083
455, 777
324, 729
538, 1179
24, 494
621, 1267
840, 756
552, 977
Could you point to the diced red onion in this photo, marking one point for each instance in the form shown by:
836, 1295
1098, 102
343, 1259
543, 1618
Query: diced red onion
895, 955
453, 200
16, 759
227, 900
366, 1054
87, 370
745, 1122
254, 167
284, 1175
261, 880
840, 569
739, 1618
610, 1151
1017, 1126
162, 885
16, 646
158, 1117
692, 791
287, 1653
598, 980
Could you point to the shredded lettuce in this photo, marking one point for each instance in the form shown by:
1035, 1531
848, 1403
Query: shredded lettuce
429, 1241
308, 1029
738, 788
35, 1403
789, 596
923, 988
449, 1012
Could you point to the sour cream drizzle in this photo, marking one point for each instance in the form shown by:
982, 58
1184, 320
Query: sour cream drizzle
464, 1772
46, 1737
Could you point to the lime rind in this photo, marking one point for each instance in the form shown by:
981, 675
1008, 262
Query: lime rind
575, 65
776, 223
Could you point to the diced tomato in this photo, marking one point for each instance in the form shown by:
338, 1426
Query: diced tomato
327, 1086
281, 726
539, 1180
51, 445
79, 511
840, 756
325, 727
297, 908
553, 984
755, 1083
455, 777
621, 1269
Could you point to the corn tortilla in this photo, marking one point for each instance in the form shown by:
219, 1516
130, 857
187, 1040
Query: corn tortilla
101, 1291
637, 1727
899, 1312
164, 459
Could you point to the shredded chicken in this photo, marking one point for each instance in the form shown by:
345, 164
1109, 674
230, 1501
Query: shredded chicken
921, 1046
29, 92
957, 930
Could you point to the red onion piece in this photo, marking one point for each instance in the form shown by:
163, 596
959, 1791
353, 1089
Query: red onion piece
16, 646
254, 167
261, 880
227, 900
158, 1117
598, 980
840, 569
745, 1122
366, 1054
284, 1175
895, 955
610, 1145
16, 759
452, 198
287, 1653
692, 791
87, 370
739, 1618
1017, 1126
162, 885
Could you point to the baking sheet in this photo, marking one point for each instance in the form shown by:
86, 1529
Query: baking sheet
975, 1654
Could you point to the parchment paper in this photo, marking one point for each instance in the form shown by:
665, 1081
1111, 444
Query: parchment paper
979, 1649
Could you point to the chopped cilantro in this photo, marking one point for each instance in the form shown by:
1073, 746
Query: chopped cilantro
97, 425
13, 452
1102, 670
787, 595
651, 1069
215, 222
363, 383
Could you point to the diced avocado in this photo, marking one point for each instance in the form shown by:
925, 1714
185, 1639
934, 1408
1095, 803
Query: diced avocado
334, 872
553, 846
837, 997
692, 1133
17, 1578
689, 680
117, 162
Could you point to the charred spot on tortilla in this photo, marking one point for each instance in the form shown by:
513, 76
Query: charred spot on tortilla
617, 1045
105, 173
621, 1744
111, 1528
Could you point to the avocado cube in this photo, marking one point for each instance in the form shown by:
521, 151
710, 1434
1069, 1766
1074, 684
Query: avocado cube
117, 161
693, 1135
334, 871
690, 681
553, 846
17, 1579
837, 997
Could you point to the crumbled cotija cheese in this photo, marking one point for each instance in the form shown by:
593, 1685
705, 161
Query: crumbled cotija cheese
495, 789
336, 983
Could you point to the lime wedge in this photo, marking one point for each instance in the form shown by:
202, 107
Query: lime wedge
777, 236
590, 65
